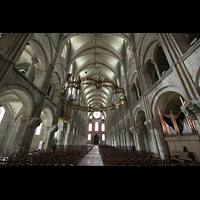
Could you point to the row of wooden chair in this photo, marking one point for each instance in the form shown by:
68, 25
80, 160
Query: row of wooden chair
49, 157
118, 157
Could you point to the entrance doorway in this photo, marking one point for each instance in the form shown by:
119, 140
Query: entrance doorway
96, 139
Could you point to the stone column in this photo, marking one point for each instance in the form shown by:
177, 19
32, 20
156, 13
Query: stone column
64, 133
61, 138
71, 139
161, 143
54, 128
67, 138
25, 134
120, 144
34, 60
149, 126
138, 91
140, 136
127, 139
46, 136
134, 137
157, 69
75, 139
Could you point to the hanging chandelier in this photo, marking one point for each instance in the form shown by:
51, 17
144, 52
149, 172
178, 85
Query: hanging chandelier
70, 92
77, 82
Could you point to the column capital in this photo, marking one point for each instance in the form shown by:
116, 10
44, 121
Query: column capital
148, 124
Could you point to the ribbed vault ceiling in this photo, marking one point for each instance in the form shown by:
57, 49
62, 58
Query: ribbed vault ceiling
107, 49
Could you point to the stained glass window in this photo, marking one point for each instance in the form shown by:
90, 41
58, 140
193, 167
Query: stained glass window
102, 127
97, 114
90, 127
96, 126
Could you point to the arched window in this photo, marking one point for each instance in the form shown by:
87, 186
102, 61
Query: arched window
2, 112
96, 126
90, 127
103, 127
38, 129
89, 136
103, 137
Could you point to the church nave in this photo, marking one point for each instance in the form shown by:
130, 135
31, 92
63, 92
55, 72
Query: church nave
121, 92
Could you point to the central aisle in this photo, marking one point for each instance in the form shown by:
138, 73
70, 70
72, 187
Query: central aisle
93, 158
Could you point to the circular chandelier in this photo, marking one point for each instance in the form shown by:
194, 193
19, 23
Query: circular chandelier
74, 84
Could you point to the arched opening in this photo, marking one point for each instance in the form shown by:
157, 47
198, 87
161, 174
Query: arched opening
39, 132
96, 140
17, 105
44, 130
25, 62
161, 60
32, 63
172, 119
143, 134
192, 38
152, 72
156, 67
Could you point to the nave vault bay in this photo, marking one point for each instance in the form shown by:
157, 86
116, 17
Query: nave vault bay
130, 91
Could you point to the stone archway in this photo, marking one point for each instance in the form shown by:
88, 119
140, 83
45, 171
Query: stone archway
18, 106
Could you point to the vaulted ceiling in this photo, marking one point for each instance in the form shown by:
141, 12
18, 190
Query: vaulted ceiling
94, 54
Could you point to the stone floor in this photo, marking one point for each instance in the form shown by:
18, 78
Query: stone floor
93, 158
